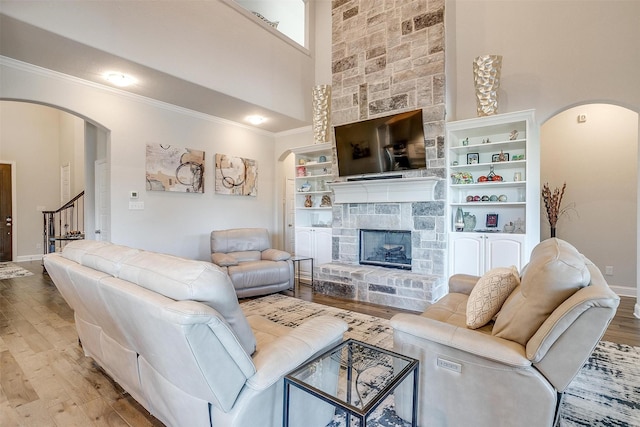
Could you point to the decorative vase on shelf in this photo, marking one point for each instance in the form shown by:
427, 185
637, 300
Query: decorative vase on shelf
458, 222
307, 201
469, 222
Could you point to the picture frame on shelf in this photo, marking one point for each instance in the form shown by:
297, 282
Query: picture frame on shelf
496, 157
473, 158
492, 220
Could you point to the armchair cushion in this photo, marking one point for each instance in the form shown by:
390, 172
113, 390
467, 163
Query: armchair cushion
556, 271
489, 293
275, 255
223, 260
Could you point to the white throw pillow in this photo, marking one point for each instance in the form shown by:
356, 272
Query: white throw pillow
489, 294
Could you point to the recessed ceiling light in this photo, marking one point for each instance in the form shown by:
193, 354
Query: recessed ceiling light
256, 120
119, 79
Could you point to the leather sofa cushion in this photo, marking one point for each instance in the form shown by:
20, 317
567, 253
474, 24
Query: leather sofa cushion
77, 249
240, 239
488, 295
108, 258
183, 279
259, 273
555, 272
275, 255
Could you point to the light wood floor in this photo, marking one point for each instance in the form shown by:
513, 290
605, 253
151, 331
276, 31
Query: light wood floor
45, 380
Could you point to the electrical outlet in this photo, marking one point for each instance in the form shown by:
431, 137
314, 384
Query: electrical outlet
608, 270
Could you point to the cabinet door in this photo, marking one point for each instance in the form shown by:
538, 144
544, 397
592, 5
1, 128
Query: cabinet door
304, 242
466, 254
323, 245
504, 251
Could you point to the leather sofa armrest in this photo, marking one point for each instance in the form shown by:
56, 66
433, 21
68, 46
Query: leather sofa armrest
223, 260
462, 283
275, 255
290, 351
467, 340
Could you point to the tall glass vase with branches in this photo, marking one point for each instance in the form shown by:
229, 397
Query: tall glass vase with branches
553, 205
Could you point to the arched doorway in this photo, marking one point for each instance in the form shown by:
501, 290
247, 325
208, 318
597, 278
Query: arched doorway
593, 148
39, 139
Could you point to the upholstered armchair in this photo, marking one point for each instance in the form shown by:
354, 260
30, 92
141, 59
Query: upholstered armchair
500, 350
253, 266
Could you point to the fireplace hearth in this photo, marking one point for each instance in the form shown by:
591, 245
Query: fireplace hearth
386, 248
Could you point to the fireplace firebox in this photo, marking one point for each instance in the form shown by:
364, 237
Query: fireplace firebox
386, 248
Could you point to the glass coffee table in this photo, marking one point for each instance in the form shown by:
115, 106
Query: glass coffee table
356, 378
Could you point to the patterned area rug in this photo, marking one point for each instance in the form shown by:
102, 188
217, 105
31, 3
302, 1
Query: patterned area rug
9, 270
605, 393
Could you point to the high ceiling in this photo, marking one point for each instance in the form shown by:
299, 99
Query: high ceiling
34, 45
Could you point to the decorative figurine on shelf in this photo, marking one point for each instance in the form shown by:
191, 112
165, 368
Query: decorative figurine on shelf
513, 135
458, 223
325, 202
502, 157
322, 159
307, 201
465, 142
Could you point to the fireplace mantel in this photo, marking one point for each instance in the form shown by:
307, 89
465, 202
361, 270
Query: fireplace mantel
415, 189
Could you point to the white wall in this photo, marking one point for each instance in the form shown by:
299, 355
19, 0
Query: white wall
29, 136
72, 149
555, 53
598, 161
176, 223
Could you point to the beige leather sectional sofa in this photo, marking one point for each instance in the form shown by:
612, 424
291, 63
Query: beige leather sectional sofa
170, 331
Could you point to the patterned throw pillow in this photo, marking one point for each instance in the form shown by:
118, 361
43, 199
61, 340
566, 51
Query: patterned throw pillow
489, 294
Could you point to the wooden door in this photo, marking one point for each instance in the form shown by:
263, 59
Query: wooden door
6, 220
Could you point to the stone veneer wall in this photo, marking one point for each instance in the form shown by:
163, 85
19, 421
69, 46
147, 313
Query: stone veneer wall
388, 57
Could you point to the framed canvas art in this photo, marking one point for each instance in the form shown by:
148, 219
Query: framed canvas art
236, 176
174, 168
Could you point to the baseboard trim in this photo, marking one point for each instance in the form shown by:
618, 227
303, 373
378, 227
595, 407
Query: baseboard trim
24, 258
636, 312
624, 291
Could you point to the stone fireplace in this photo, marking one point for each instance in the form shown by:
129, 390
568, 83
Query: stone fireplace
389, 58
385, 205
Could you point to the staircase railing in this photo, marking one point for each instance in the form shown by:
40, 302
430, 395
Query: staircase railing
64, 224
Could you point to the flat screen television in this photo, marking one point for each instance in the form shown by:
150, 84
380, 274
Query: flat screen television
385, 144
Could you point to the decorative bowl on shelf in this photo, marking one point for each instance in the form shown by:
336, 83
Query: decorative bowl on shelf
461, 178
305, 187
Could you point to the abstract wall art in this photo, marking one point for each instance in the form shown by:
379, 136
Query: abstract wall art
236, 176
174, 168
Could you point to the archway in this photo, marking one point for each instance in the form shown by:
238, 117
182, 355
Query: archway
29, 128
594, 149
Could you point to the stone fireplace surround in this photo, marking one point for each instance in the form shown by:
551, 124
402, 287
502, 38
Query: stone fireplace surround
377, 206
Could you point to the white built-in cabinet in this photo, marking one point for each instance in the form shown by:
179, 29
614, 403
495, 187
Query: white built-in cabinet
313, 204
313, 242
503, 145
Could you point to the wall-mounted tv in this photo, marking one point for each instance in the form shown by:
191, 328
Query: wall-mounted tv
385, 144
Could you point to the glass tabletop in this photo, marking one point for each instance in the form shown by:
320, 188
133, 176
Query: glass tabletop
364, 373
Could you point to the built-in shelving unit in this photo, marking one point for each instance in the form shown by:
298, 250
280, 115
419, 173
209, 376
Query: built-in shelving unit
493, 165
313, 204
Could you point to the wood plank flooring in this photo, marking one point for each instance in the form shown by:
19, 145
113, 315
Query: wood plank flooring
45, 379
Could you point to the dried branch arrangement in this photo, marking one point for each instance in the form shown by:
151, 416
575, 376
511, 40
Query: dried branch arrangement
552, 201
